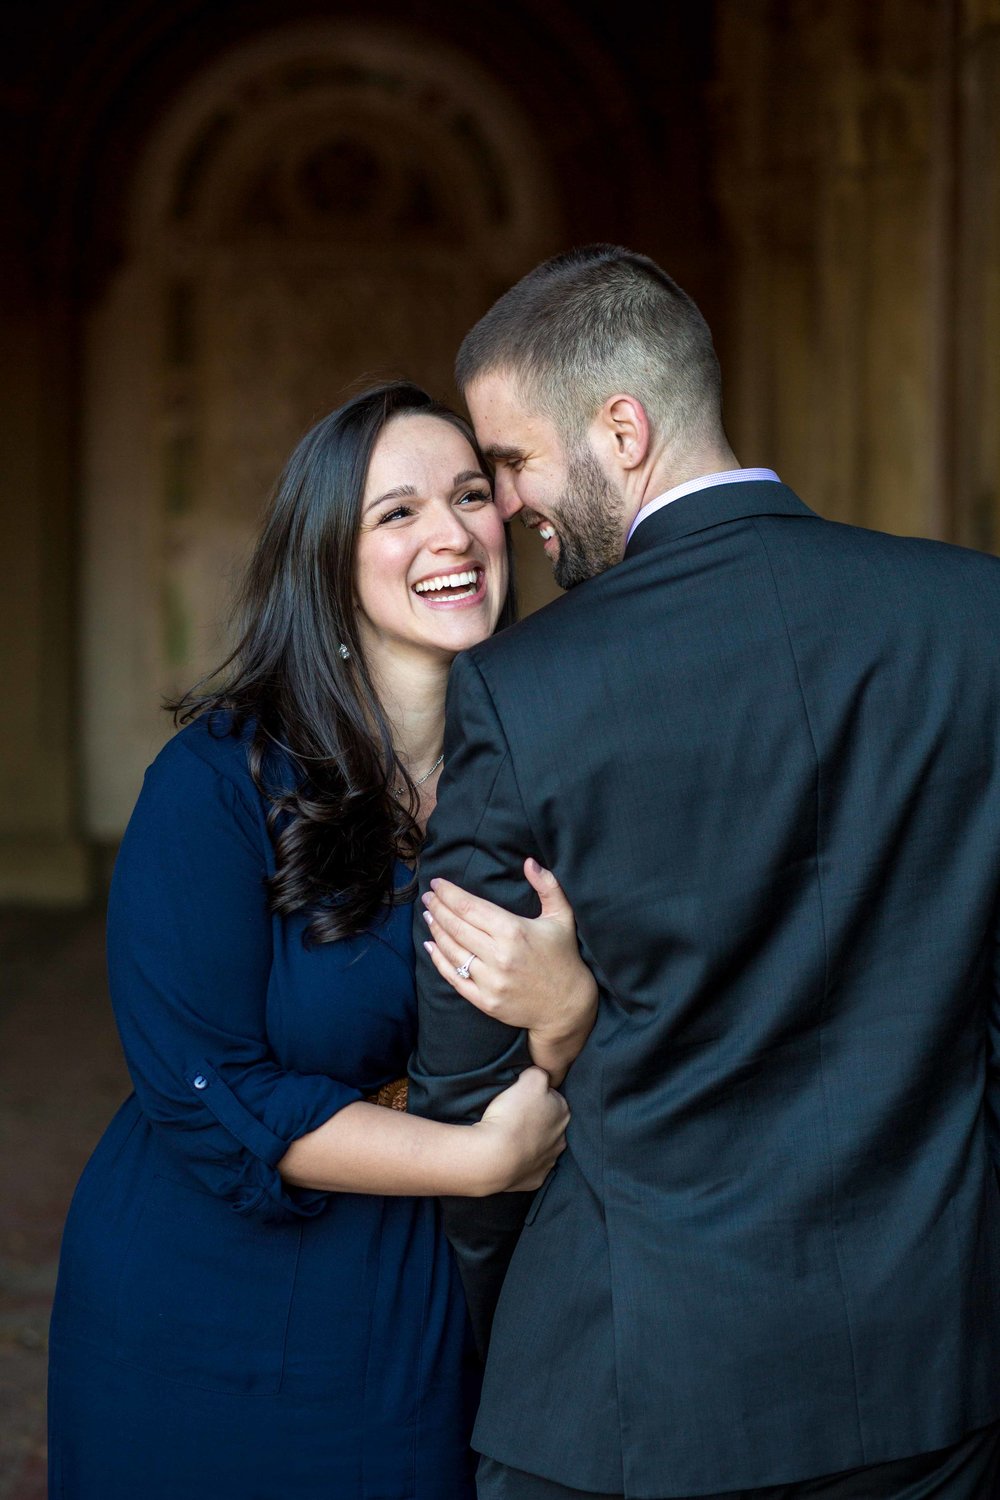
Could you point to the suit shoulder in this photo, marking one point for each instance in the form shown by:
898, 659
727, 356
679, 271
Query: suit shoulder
565, 616
913, 557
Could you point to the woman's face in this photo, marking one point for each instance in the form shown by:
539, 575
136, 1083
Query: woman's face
431, 555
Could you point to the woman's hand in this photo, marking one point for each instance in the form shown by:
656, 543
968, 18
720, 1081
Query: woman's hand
523, 1133
523, 971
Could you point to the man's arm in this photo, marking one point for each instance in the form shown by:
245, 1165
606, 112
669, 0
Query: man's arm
479, 837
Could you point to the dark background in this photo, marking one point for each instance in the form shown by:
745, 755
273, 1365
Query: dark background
823, 177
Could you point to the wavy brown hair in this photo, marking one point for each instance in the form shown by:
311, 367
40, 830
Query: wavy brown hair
321, 747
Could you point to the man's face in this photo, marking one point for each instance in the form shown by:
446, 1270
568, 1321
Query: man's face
563, 495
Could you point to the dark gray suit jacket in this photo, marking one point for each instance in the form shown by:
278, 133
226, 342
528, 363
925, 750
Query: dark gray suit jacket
762, 755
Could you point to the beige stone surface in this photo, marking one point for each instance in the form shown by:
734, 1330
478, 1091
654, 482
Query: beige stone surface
299, 207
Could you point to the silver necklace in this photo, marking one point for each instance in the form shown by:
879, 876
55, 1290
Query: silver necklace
398, 791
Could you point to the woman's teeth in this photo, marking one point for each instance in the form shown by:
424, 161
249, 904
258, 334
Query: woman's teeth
449, 581
546, 532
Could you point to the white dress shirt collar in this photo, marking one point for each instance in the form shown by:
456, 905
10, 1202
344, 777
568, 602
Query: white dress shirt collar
703, 482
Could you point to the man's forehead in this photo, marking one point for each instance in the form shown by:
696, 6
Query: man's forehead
497, 389
503, 416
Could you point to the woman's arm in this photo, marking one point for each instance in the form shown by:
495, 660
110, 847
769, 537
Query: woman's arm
189, 942
366, 1149
523, 971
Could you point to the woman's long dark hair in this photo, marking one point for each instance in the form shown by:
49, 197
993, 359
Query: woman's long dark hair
338, 830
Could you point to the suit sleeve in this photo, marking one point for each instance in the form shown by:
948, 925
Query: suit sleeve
479, 837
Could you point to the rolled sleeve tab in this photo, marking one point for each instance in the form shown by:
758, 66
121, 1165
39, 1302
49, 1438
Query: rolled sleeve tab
237, 1119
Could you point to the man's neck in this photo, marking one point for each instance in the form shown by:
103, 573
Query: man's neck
674, 469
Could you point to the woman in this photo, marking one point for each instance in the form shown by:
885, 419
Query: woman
255, 1299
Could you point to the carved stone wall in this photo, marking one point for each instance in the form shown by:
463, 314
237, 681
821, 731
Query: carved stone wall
196, 194
326, 207
156, 159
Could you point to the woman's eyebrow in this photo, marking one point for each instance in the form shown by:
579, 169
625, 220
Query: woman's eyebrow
401, 492
408, 491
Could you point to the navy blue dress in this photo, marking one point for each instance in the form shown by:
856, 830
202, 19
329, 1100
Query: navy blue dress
215, 1332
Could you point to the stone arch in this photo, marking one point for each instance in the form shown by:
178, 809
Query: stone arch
326, 204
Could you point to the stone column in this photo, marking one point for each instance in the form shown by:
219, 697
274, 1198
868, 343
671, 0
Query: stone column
43, 857
827, 115
977, 279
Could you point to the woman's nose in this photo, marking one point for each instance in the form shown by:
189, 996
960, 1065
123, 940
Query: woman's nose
450, 533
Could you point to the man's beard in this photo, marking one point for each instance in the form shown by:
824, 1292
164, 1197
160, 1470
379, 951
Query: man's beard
589, 524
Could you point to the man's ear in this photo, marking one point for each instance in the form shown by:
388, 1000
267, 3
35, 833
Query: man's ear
621, 431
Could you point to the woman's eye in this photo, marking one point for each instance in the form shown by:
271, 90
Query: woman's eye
480, 496
396, 514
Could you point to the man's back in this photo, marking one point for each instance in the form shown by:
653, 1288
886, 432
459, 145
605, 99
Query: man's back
762, 756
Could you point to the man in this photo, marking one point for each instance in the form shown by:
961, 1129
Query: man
761, 753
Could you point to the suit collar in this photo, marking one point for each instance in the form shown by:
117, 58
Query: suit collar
715, 507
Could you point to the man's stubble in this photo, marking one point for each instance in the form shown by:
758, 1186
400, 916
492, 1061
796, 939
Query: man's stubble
589, 522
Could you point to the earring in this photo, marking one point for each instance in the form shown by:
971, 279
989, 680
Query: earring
343, 652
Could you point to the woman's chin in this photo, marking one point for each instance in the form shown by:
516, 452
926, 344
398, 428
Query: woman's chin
454, 641
460, 633
456, 627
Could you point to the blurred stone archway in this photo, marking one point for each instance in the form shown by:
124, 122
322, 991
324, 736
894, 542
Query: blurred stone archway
327, 205
438, 153
824, 178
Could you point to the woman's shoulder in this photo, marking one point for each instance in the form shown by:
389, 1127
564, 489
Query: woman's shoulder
211, 746
199, 791
217, 745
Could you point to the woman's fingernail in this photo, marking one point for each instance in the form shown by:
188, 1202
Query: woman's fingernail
535, 866
427, 917
429, 947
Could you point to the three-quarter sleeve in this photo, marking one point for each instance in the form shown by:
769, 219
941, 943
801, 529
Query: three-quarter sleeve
189, 961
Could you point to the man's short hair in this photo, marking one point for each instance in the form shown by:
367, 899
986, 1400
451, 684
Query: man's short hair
592, 322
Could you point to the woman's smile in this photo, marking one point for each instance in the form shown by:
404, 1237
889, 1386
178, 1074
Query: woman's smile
458, 588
